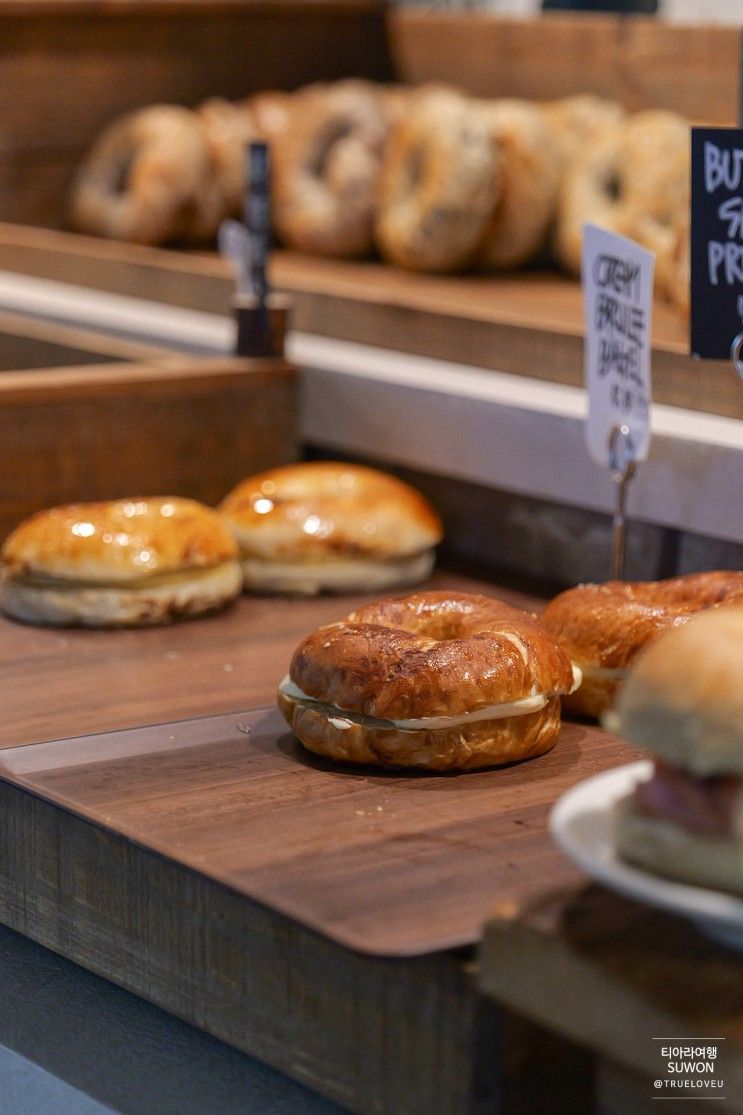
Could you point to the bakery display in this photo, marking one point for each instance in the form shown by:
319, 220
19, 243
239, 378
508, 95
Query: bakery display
604, 627
125, 563
434, 681
330, 527
431, 178
683, 701
433, 217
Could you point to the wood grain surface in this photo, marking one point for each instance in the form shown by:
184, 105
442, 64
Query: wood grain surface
70, 682
388, 863
169, 424
378, 1035
642, 62
528, 324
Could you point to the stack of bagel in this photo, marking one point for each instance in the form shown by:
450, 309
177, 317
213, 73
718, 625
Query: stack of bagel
432, 179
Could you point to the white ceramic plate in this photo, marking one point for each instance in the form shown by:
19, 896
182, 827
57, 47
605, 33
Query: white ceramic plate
582, 823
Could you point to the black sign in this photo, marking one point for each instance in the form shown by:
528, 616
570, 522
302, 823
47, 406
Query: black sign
716, 240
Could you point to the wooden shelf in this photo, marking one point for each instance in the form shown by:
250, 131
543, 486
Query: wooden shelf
528, 324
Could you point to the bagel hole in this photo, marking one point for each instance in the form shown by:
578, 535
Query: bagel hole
121, 171
334, 134
613, 186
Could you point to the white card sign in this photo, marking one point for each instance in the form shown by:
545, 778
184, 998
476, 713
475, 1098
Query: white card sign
618, 298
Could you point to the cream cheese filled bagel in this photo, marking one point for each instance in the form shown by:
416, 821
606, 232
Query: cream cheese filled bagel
683, 701
125, 563
603, 627
435, 680
325, 526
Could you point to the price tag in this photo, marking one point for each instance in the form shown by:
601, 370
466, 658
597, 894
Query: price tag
618, 297
716, 240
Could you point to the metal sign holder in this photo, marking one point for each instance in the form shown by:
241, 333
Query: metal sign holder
623, 463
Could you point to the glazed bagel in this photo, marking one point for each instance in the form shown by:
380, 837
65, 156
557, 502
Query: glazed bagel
529, 176
326, 166
324, 526
124, 563
439, 183
147, 179
228, 129
633, 181
434, 680
603, 627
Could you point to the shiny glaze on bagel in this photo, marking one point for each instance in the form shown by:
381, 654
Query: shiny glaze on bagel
605, 626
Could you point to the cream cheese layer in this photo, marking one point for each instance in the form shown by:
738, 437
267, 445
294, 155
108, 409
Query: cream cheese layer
343, 718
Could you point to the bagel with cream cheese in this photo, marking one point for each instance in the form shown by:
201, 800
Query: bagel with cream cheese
124, 563
325, 526
603, 627
683, 701
434, 681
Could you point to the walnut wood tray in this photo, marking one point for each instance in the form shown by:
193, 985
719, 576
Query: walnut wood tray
387, 863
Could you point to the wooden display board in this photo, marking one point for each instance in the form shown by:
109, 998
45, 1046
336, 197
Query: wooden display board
84, 416
92, 864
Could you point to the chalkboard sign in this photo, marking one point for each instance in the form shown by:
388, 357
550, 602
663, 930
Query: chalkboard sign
716, 240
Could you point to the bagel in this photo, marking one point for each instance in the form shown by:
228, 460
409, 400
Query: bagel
575, 123
125, 563
632, 181
326, 165
148, 179
438, 184
330, 527
270, 112
228, 129
603, 627
529, 176
435, 681
683, 701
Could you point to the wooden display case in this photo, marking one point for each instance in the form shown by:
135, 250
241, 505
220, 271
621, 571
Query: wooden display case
84, 416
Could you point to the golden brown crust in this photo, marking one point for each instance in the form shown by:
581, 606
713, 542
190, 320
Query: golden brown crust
527, 187
483, 744
325, 510
430, 654
112, 543
147, 179
227, 128
578, 121
326, 164
633, 180
431, 219
271, 112
607, 625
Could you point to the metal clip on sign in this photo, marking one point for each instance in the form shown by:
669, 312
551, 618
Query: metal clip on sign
736, 354
622, 463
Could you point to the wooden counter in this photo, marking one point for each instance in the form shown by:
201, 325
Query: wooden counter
375, 1033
